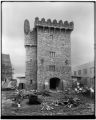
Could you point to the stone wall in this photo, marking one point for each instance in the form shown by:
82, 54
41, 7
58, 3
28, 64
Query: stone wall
58, 42
31, 57
48, 52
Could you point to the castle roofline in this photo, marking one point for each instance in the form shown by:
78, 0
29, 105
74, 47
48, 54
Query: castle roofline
49, 24
61, 25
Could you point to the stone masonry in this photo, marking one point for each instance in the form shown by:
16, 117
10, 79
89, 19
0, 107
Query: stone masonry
48, 54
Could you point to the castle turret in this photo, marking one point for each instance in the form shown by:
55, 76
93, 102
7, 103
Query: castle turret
31, 55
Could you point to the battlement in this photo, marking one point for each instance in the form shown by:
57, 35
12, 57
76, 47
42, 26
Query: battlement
49, 24
61, 25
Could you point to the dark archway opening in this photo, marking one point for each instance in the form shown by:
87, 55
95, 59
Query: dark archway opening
54, 83
21, 86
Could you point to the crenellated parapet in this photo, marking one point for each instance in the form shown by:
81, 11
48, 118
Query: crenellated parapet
61, 25
51, 24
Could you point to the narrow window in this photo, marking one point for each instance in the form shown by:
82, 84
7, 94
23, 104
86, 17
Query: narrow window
52, 54
30, 81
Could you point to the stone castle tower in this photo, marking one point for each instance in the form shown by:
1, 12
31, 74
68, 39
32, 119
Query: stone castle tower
48, 54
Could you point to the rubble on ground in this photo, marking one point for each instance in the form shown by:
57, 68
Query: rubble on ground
68, 102
45, 106
33, 96
85, 90
55, 104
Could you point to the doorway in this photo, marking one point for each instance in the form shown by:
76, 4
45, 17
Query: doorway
21, 86
54, 83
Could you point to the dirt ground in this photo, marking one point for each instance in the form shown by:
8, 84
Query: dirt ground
8, 109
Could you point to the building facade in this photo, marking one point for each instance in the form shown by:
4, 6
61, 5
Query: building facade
6, 70
6, 67
48, 53
85, 74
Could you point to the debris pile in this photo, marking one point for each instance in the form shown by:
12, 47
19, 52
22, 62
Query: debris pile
37, 97
55, 103
86, 91
89, 92
45, 106
73, 102
70, 102
33, 96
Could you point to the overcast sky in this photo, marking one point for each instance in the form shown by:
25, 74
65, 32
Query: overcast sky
14, 14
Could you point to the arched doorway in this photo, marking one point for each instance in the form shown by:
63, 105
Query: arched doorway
54, 83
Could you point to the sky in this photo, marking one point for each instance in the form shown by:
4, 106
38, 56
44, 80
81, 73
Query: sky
82, 37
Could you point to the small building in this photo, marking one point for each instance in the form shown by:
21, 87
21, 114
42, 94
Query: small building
12, 84
6, 70
84, 74
21, 82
